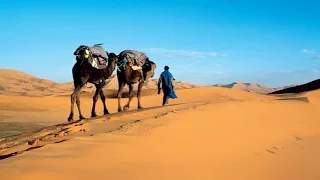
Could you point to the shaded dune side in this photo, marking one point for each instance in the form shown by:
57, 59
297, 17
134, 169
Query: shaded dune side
310, 86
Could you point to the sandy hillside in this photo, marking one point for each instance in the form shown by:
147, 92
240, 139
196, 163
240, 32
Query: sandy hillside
207, 133
19, 83
14, 82
251, 87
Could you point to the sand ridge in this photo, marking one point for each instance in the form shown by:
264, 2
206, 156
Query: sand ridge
15, 145
9, 144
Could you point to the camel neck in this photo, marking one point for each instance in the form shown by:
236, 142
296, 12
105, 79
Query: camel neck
111, 68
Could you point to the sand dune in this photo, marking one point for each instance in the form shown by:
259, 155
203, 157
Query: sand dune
14, 82
19, 83
251, 87
217, 133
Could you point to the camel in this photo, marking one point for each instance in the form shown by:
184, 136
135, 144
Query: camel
127, 75
84, 72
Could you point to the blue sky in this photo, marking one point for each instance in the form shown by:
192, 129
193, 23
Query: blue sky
274, 43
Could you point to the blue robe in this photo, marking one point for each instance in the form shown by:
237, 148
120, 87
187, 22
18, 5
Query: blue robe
167, 87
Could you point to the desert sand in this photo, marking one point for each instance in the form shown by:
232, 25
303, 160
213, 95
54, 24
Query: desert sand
207, 133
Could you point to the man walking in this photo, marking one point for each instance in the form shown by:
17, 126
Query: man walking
165, 81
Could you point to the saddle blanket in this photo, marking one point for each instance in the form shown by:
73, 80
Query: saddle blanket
135, 57
98, 51
97, 57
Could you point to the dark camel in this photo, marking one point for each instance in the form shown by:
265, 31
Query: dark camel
83, 72
126, 75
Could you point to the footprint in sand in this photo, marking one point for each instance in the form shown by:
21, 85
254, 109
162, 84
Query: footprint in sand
271, 151
297, 138
33, 142
275, 148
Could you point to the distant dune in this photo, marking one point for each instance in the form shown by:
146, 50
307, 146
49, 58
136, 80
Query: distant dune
250, 87
20, 83
13, 82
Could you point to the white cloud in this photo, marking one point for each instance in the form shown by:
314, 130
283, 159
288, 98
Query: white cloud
311, 52
185, 53
300, 71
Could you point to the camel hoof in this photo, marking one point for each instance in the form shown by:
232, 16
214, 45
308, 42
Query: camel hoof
81, 117
106, 112
70, 119
125, 108
140, 107
94, 115
120, 110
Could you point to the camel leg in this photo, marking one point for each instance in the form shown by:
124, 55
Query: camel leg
140, 86
103, 99
121, 86
75, 97
127, 106
95, 99
78, 105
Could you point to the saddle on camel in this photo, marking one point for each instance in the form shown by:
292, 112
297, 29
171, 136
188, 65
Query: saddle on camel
96, 55
135, 59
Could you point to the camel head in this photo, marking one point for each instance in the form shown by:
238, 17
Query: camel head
149, 69
81, 53
112, 58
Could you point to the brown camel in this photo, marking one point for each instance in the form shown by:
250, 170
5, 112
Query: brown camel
127, 75
83, 72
